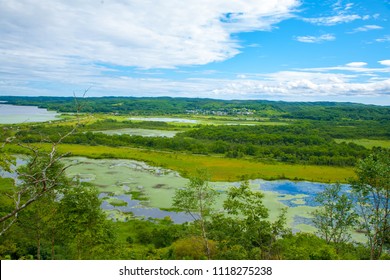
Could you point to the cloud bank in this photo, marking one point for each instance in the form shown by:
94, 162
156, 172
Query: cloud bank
145, 34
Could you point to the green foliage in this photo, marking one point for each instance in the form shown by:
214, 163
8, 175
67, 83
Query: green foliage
84, 227
372, 192
42, 172
304, 246
245, 225
193, 248
197, 199
336, 217
6, 161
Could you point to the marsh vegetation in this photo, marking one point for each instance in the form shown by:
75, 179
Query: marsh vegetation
134, 156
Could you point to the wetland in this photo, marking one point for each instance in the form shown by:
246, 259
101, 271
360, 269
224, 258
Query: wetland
135, 161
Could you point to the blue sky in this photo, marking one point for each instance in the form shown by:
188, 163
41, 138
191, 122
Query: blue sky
331, 50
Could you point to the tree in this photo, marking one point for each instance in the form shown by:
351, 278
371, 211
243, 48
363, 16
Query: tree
44, 173
197, 199
38, 222
371, 191
83, 225
336, 216
245, 223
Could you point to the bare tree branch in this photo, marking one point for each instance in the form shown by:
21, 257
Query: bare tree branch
38, 178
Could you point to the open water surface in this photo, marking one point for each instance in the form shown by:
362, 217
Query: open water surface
10, 114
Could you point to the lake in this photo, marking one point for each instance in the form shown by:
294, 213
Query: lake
12, 114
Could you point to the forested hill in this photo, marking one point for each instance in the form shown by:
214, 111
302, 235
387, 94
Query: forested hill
326, 111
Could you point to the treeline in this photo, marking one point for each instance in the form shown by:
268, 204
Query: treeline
325, 111
290, 144
354, 129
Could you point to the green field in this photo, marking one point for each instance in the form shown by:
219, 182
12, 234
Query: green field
368, 143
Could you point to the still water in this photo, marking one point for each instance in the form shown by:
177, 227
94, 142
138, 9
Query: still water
10, 114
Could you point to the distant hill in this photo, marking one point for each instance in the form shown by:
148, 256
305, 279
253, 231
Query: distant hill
326, 111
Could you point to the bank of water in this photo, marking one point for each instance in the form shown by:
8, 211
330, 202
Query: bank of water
13, 114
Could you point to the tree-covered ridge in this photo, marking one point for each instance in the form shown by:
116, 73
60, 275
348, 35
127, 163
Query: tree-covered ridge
328, 111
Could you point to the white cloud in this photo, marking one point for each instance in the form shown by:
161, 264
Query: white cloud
383, 39
357, 67
385, 62
356, 64
334, 20
315, 39
298, 84
367, 28
58, 46
341, 14
146, 34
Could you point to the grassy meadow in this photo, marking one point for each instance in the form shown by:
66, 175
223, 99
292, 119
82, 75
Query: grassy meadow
220, 168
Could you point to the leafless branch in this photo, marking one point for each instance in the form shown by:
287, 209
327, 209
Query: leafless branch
37, 183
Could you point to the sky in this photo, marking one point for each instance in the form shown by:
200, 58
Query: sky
291, 50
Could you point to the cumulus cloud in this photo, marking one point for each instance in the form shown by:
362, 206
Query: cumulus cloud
309, 84
385, 62
58, 46
315, 39
146, 34
356, 64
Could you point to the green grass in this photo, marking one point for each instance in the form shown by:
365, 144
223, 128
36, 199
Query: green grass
221, 169
368, 143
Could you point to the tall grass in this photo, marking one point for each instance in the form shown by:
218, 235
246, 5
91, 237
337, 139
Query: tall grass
221, 169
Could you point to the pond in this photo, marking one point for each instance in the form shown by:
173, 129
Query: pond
143, 190
132, 189
168, 120
12, 114
141, 132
